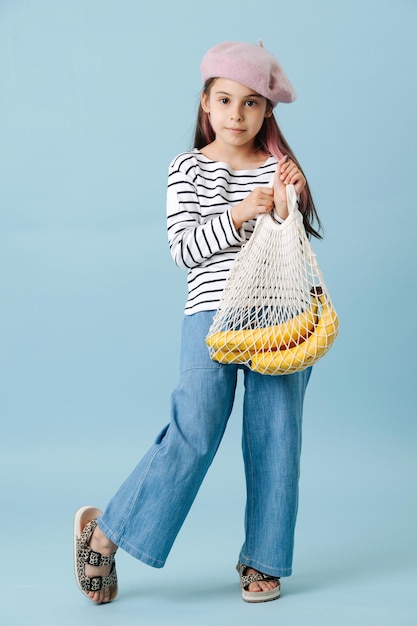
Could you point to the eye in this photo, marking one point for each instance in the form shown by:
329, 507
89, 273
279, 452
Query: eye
251, 103
224, 100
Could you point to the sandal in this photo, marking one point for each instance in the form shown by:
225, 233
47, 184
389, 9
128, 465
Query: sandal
84, 524
257, 596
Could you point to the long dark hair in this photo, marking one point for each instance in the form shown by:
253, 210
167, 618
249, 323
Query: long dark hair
271, 141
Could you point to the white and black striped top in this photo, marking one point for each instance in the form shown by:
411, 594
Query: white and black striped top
201, 234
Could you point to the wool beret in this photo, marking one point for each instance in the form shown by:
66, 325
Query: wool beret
250, 65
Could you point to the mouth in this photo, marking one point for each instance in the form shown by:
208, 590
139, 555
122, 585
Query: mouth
235, 131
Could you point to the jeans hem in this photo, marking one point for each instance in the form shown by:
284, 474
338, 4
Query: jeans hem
265, 569
129, 549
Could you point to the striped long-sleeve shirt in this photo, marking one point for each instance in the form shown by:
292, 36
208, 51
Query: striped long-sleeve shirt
201, 234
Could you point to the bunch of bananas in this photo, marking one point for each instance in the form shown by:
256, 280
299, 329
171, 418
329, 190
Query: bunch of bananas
284, 348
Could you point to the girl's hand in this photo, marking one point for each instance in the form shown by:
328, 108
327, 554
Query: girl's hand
287, 173
260, 200
264, 199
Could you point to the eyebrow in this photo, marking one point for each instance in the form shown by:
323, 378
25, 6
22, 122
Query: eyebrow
249, 95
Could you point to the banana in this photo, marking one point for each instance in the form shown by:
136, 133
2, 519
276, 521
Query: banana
277, 337
233, 356
304, 354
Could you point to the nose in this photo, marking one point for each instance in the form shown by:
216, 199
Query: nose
236, 113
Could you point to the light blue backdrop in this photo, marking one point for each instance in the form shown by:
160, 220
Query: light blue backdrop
96, 97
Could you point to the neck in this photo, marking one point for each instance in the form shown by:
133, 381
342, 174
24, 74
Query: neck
238, 157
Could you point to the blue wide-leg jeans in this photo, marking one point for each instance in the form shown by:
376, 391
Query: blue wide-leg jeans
147, 512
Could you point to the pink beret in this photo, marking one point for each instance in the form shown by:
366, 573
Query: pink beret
250, 65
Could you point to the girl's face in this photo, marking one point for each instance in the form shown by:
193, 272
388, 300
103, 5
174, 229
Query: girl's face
236, 112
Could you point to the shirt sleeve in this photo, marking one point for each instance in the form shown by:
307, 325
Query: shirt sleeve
192, 240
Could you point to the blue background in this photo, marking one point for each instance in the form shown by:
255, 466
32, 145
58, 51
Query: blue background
96, 97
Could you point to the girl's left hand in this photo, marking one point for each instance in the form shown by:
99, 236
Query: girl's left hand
287, 173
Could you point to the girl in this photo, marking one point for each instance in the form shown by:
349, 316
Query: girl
215, 193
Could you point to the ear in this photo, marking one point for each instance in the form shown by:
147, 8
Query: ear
268, 112
204, 99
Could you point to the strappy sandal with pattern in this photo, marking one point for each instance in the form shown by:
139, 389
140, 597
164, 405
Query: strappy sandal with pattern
84, 524
256, 596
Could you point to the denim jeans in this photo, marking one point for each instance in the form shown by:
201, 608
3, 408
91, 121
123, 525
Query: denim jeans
147, 512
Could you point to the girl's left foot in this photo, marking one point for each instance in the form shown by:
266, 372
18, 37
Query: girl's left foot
257, 587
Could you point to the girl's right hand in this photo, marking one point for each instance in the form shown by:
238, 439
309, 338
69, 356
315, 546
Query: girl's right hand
260, 200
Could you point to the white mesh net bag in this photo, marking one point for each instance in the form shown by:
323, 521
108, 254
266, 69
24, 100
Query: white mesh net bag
275, 314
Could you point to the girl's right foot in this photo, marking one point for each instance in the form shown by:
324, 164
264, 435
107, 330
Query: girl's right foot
101, 544
95, 568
